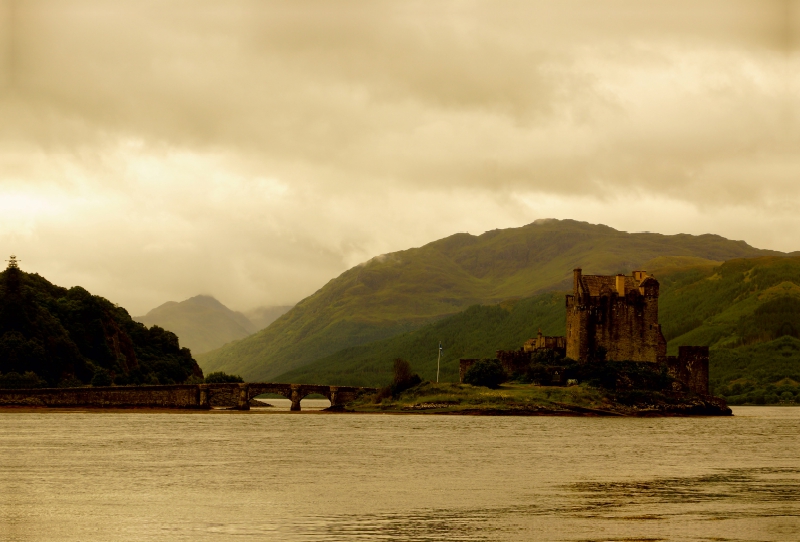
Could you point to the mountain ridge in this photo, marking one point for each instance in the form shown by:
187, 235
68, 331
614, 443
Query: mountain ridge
404, 290
746, 310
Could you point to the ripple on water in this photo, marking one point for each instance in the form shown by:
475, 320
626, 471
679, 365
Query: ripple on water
258, 475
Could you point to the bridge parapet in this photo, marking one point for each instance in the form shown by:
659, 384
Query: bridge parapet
199, 396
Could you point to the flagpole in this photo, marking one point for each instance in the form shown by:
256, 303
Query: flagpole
437, 362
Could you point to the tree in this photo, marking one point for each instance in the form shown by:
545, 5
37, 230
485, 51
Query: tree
220, 377
101, 377
486, 372
404, 377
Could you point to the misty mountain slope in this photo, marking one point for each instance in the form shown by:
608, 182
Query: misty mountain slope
747, 311
261, 317
202, 323
404, 290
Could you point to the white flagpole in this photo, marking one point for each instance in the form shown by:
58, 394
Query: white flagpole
437, 362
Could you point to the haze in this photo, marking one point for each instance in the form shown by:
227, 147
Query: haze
152, 151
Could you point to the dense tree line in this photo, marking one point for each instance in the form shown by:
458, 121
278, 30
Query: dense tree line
71, 337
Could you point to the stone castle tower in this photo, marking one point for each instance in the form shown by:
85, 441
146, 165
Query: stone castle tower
618, 313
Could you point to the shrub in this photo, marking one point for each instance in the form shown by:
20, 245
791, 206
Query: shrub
619, 375
404, 379
27, 380
220, 377
101, 377
539, 373
546, 356
70, 382
486, 372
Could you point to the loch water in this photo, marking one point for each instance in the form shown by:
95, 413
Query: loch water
266, 475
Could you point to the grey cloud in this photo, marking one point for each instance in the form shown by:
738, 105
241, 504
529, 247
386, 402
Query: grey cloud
150, 125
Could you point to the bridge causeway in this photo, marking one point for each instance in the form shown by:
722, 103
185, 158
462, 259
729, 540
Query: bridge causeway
189, 396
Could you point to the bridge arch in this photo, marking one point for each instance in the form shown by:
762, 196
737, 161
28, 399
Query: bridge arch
239, 395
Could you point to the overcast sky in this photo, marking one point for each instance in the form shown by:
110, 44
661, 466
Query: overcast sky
152, 151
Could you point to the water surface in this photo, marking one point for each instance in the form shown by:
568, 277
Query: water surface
268, 475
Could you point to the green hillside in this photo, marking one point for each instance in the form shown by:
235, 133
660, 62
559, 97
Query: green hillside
63, 336
747, 311
402, 291
740, 302
201, 322
478, 331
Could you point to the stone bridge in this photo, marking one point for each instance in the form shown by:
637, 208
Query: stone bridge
242, 393
199, 396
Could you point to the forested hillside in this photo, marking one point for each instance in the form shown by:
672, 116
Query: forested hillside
69, 337
406, 290
746, 310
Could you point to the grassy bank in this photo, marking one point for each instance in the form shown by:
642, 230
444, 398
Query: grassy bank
529, 399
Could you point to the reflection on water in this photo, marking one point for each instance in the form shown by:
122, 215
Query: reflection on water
263, 474
284, 405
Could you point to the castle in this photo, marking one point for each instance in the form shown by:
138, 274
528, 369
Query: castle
614, 317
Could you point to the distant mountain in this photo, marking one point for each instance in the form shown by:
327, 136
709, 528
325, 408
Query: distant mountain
201, 322
746, 310
71, 336
261, 317
402, 291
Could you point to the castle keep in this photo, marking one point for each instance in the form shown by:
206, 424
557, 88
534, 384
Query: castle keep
616, 313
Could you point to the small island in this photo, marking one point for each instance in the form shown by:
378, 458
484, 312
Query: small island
521, 399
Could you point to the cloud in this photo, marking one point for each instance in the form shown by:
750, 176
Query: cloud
252, 150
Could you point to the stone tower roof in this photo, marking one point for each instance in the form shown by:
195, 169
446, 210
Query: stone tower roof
597, 285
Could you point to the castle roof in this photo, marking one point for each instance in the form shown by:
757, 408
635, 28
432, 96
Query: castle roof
597, 284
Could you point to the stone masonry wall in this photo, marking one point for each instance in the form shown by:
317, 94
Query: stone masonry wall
690, 367
178, 396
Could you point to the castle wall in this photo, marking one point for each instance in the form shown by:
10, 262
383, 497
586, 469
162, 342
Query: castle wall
514, 361
176, 396
558, 344
690, 367
578, 329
